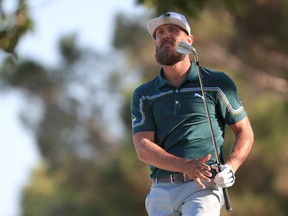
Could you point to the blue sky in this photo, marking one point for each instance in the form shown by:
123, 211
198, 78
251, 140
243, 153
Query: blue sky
93, 21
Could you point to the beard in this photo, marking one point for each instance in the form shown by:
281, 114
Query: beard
167, 55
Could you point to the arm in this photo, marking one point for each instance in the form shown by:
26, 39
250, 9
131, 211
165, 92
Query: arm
150, 153
244, 139
240, 150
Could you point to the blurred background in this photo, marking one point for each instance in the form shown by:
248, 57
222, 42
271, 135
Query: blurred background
67, 72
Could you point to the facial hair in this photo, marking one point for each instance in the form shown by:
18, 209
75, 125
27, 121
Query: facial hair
167, 55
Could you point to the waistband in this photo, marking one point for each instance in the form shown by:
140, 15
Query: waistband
178, 178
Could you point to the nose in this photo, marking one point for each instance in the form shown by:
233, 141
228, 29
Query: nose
166, 35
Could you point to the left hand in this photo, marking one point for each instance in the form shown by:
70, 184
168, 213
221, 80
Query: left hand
225, 178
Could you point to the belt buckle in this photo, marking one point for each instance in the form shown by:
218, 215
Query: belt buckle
172, 180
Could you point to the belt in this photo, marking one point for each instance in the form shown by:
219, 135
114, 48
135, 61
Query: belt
173, 178
177, 178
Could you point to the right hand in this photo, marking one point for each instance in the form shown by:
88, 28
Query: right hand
199, 170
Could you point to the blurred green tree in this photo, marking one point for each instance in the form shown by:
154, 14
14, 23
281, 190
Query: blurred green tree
13, 25
85, 170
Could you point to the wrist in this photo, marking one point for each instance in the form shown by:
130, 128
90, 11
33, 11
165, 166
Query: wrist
230, 166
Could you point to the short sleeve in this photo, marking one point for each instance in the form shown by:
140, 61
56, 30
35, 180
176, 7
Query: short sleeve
141, 113
230, 105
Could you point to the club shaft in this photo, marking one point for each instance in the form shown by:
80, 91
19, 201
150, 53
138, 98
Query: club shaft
225, 190
208, 115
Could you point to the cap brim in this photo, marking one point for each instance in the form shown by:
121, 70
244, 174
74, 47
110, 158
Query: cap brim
153, 24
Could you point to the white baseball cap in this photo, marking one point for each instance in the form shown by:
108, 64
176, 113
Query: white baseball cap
168, 18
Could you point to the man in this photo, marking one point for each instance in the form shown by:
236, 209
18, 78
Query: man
171, 132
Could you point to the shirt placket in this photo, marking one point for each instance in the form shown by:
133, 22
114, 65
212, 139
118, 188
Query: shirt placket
177, 103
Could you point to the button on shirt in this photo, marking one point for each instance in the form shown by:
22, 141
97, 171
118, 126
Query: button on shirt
178, 116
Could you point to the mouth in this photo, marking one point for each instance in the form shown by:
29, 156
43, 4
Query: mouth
167, 44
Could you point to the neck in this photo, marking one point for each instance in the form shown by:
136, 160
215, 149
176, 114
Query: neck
176, 74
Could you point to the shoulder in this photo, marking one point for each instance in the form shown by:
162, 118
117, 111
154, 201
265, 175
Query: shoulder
147, 88
217, 78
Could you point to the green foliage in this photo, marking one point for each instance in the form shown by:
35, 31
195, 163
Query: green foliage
29, 76
14, 26
187, 6
85, 172
254, 24
83, 188
192, 8
68, 49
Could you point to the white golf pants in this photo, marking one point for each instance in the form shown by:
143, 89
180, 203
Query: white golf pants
185, 199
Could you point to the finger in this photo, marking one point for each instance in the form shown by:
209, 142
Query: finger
224, 180
223, 173
204, 172
227, 181
204, 166
204, 177
199, 182
207, 173
222, 185
206, 158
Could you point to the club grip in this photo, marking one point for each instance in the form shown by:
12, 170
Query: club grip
227, 200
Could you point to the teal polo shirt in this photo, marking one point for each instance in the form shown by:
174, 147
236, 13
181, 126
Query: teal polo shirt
177, 114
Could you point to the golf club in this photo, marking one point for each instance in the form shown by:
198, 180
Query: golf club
185, 48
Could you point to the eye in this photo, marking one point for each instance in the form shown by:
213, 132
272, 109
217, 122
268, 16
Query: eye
174, 29
159, 32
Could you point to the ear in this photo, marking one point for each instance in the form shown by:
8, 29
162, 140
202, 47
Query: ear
190, 39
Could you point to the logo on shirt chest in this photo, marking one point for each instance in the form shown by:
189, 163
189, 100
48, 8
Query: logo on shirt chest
198, 95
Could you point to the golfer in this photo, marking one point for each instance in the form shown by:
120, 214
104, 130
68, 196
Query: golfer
171, 132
